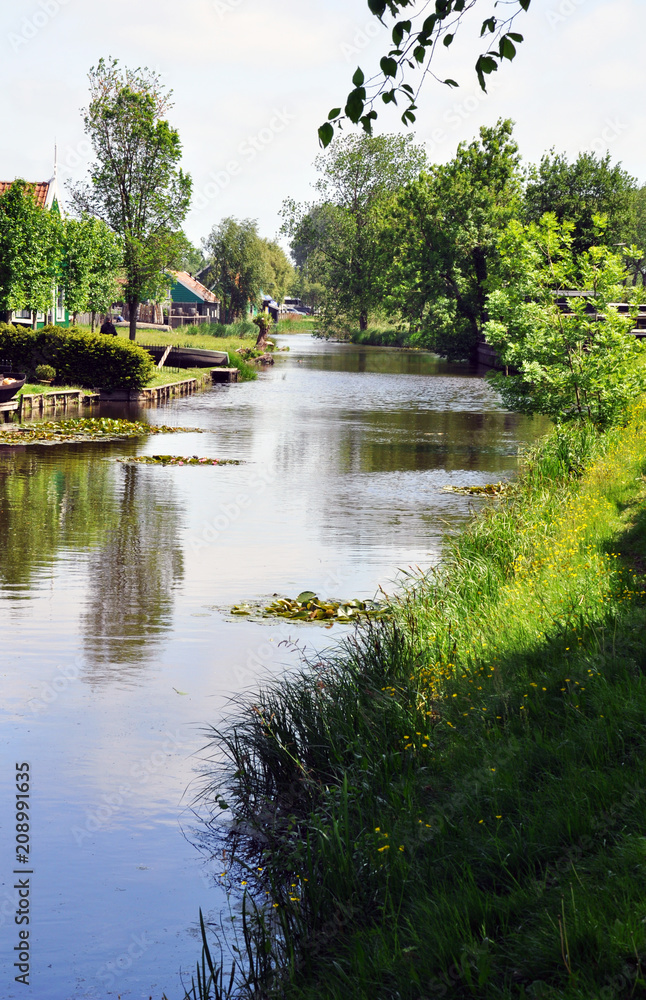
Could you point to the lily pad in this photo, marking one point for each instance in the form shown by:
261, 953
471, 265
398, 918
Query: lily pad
488, 490
176, 460
84, 429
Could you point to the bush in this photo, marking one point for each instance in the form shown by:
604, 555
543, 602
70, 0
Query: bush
88, 360
45, 373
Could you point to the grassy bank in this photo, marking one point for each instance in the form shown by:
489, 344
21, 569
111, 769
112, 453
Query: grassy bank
300, 324
455, 805
236, 336
377, 334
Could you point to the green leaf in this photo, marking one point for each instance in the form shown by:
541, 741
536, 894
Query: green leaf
525, 4
355, 104
400, 29
451, 83
334, 113
488, 25
358, 77
507, 48
307, 595
448, 39
429, 25
388, 66
367, 120
420, 53
326, 134
485, 65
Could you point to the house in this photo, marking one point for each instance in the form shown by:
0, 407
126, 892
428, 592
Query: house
271, 306
191, 301
47, 196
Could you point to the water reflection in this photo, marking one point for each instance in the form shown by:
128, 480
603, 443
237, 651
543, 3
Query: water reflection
132, 575
50, 499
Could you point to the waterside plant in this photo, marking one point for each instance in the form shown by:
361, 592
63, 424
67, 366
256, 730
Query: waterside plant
83, 429
454, 803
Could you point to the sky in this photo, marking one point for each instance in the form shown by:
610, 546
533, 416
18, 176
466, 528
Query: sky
253, 79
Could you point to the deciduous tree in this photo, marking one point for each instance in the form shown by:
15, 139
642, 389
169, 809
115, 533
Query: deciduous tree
338, 238
91, 261
236, 265
30, 239
578, 363
136, 185
580, 190
440, 238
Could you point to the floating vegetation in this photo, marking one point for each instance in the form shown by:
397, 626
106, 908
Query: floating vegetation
307, 607
83, 429
489, 490
177, 460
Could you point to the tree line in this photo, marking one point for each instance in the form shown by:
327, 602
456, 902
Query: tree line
392, 236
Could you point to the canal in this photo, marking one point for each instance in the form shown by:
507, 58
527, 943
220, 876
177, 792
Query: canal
118, 649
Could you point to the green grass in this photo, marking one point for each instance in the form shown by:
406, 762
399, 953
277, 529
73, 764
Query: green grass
455, 803
183, 337
378, 334
302, 324
38, 387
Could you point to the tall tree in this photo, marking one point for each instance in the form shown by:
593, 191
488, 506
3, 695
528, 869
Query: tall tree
29, 251
91, 260
279, 272
236, 265
440, 236
415, 39
136, 185
589, 186
338, 237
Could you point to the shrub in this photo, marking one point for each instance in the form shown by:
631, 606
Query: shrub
45, 373
85, 359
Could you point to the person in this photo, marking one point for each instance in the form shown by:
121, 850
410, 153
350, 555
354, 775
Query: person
108, 328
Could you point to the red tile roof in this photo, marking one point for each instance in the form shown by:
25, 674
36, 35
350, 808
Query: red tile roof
40, 189
195, 286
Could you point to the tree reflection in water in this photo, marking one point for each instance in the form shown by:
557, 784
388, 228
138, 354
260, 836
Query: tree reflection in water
132, 576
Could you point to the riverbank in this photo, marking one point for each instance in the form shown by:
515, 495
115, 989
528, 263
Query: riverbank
454, 805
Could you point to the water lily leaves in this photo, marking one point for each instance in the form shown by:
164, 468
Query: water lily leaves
176, 460
308, 607
489, 490
84, 429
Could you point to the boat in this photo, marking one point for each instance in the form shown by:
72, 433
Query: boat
8, 391
187, 357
